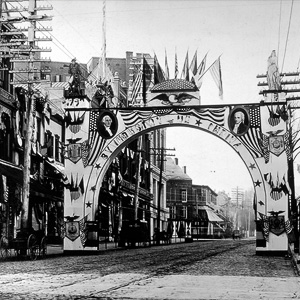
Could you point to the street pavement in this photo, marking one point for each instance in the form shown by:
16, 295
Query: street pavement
226, 276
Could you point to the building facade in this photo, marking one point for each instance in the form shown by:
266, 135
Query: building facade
192, 207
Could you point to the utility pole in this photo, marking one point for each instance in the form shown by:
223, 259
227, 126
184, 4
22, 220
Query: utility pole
237, 194
137, 172
25, 53
160, 186
291, 180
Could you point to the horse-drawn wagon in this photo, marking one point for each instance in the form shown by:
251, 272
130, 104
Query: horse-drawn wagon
25, 244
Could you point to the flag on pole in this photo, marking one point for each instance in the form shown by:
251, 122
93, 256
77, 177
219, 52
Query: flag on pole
166, 67
136, 86
215, 70
176, 66
147, 78
104, 41
158, 72
193, 66
185, 71
200, 72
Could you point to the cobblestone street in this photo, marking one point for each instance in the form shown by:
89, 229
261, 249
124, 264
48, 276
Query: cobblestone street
221, 269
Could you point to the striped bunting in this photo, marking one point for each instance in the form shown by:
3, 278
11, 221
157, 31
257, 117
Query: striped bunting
213, 115
251, 139
216, 115
132, 118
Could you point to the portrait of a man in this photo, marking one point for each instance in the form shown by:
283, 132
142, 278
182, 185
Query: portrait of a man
238, 121
107, 124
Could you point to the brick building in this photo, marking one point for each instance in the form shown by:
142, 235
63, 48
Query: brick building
192, 207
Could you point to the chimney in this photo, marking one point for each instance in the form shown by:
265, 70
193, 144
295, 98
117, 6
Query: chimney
176, 161
184, 169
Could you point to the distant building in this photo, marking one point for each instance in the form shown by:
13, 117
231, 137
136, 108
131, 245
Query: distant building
191, 206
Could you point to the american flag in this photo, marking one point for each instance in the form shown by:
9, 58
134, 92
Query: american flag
136, 86
252, 138
95, 141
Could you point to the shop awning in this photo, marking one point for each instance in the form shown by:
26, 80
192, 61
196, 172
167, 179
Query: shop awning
212, 217
58, 168
11, 170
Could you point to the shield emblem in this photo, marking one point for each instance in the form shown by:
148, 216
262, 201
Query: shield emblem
74, 152
72, 230
276, 225
276, 144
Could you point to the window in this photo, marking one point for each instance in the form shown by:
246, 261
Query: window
56, 150
173, 212
38, 130
183, 195
184, 212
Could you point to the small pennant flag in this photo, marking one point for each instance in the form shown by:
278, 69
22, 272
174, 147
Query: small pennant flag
193, 66
215, 70
166, 67
176, 66
185, 71
200, 72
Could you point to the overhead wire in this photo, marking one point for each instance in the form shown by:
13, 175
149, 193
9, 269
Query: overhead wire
279, 28
62, 47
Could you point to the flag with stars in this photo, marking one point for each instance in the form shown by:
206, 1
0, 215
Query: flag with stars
251, 139
95, 141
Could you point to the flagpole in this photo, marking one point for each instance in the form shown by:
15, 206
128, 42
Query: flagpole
104, 41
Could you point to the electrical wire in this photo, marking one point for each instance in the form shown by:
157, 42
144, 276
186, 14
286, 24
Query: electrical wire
279, 27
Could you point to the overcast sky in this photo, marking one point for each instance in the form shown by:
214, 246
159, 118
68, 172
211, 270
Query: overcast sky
243, 32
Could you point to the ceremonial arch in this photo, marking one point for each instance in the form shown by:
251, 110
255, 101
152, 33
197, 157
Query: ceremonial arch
95, 136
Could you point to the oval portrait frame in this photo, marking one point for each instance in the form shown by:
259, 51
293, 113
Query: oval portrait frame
246, 123
103, 132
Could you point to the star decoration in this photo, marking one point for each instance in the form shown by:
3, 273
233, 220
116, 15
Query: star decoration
198, 122
252, 166
93, 188
257, 183
88, 204
98, 166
